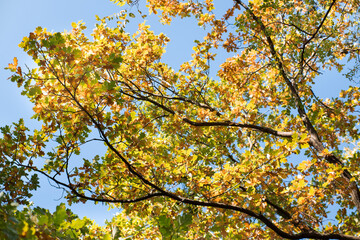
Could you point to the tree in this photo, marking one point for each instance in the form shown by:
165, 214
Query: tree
248, 153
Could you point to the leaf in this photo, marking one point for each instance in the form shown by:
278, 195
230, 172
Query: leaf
60, 214
165, 226
38, 30
13, 66
43, 220
301, 200
34, 90
15, 62
110, 85
305, 165
78, 223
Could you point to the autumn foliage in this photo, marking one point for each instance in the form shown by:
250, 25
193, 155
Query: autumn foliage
248, 151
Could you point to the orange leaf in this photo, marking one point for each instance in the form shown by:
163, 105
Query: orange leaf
12, 66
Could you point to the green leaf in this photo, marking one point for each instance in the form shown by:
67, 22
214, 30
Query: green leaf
115, 59
186, 219
60, 214
110, 85
14, 78
34, 90
165, 226
142, 135
78, 223
43, 220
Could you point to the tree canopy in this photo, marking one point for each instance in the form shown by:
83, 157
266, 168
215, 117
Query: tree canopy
248, 151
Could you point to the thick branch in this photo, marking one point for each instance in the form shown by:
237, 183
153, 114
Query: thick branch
240, 125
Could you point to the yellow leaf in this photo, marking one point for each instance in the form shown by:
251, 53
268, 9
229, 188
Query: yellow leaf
107, 237
15, 62
302, 183
312, 191
301, 200
25, 229
303, 166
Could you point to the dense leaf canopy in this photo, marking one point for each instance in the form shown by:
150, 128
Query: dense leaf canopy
246, 152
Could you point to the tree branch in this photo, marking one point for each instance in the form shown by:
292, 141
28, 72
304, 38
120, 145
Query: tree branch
240, 125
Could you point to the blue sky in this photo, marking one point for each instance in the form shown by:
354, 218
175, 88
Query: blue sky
19, 17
